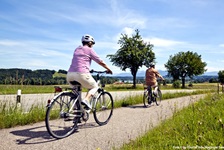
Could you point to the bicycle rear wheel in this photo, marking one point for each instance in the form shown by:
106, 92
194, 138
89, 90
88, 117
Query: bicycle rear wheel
158, 99
104, 108
146, 98
58, 122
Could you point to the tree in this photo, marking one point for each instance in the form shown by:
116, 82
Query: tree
221, 76
133, 54
62, 71
185, 64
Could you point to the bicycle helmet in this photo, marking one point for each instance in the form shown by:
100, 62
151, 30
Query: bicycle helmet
152, 64
88, 38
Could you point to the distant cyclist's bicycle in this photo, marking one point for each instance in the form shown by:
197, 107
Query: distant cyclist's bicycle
65, 111
150, 97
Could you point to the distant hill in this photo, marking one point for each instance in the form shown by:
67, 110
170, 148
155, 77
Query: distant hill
213, 73
140, 73
163, 73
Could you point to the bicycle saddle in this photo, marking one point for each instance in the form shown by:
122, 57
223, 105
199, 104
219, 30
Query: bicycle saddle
75, 83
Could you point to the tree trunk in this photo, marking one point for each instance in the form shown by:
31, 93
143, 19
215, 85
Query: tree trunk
183, 82
134, 81
134, 73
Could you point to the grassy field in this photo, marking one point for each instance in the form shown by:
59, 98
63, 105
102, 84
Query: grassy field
11, 116
31, 89
199, 126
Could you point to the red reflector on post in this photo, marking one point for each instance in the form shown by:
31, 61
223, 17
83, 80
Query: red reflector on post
57, 89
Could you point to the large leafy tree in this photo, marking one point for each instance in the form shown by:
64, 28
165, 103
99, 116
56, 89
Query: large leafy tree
185, 64
132, 54
221, 76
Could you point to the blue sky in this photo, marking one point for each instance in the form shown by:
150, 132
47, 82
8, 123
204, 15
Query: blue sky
42, 34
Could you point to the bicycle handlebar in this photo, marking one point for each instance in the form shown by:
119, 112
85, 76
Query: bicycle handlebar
93, 71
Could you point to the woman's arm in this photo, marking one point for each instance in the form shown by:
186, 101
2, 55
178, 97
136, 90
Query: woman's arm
106, 67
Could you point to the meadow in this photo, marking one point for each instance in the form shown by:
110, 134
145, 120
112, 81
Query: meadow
37, 113
33, 89
200, 124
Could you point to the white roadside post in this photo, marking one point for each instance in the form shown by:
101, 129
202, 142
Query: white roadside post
18, 98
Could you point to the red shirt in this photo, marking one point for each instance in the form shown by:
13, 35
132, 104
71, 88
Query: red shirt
151, 75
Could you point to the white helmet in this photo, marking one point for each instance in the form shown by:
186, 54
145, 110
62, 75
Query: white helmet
152, 64
88, 38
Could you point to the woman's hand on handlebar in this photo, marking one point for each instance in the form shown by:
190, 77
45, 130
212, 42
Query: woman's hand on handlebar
109, 71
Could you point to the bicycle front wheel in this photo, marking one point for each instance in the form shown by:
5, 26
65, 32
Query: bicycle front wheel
159, 98
103, 109
58, 122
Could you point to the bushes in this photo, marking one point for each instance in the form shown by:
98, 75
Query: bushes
176, 84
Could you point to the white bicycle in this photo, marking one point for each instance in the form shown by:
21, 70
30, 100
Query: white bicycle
65, 111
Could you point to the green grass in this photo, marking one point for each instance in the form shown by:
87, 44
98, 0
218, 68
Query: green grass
139, 98
33, 89
26, 89
56, 74
11, 116
201, 124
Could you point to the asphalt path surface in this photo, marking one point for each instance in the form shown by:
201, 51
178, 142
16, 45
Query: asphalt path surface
126, 124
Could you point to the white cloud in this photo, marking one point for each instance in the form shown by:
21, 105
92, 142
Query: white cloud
159, 42
10, 43
221, 45
128, 31
50, 31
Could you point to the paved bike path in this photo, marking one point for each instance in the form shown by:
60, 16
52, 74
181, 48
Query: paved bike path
126, 124
29, 100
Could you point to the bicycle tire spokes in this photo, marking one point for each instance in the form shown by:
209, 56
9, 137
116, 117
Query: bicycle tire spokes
65, 111
59, 123
158, 98
149, 97
103, 108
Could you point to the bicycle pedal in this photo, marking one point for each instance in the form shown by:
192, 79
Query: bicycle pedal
85, 116
88, 111
77, 120
68, 119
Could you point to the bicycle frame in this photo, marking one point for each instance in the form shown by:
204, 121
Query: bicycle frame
65, 111
77, 90
100, 90
149, 97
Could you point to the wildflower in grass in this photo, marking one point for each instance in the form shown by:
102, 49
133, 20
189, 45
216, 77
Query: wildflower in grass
221, 123
199, 123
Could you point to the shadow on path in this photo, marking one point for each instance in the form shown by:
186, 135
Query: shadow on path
39, 134
33, 136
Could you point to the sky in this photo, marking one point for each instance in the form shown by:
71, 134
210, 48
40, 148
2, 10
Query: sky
43, 34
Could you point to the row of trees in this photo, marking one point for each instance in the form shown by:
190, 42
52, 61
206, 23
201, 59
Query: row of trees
38, 77
134, 53
29, 77
8, 76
